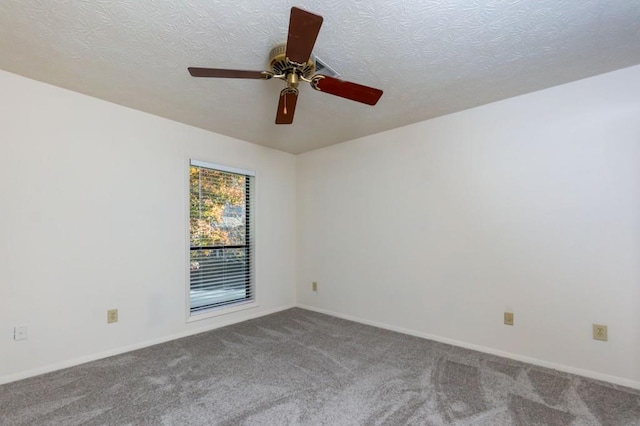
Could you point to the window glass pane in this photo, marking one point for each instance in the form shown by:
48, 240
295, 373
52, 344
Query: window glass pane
220, 246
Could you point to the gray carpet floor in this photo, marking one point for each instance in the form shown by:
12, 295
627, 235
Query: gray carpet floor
301, 367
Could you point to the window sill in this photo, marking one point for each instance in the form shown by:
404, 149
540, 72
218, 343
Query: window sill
216, 312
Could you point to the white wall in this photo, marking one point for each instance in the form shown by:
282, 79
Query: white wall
530, 205
93, 216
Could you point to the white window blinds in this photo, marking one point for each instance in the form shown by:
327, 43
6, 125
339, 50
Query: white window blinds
220, 228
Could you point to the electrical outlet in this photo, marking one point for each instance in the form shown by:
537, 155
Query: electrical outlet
600, 332
508, 318
20, 332
112, 316
314, 286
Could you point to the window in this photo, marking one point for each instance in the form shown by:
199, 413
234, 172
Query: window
220, 237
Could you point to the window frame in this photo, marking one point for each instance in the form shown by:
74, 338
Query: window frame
250, 207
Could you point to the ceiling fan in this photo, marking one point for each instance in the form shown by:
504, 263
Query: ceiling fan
293, 63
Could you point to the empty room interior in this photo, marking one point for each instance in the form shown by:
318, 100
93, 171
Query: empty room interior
192, 232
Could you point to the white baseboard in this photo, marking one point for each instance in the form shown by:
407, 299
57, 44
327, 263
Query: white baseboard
560, 367
93, 357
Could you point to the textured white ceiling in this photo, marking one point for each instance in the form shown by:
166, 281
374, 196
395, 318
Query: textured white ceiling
430, 57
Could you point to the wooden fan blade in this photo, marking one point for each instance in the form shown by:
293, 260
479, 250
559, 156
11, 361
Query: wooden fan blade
344, 89
303, 32
286, 106
222, 73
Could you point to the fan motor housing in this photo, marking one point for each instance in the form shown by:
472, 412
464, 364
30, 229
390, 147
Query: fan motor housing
281, 65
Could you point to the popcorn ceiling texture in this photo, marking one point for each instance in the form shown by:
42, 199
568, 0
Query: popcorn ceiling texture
430, 57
